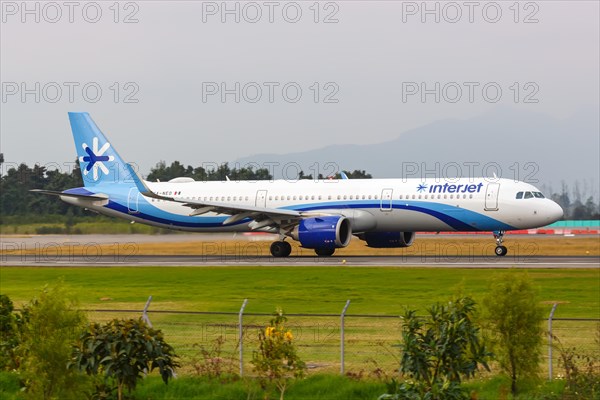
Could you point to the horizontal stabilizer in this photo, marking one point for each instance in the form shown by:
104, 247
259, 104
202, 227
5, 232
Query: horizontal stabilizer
74, 195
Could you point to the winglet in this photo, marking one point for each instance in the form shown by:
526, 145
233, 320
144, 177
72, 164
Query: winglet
141, 185
343, 175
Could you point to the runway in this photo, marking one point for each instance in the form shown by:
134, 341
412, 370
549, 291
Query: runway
537, 262
58, 250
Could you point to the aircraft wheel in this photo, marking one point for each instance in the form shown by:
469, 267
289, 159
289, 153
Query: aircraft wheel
280, 249
288, 248
325, 251
501, 251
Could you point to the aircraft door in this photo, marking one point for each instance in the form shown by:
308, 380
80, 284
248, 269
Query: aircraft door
261, 198
133, 201
491, 196
386, 199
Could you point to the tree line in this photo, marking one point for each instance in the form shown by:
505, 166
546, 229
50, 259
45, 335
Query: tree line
16, 181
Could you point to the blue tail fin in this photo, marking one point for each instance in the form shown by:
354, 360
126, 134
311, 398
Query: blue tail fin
99, 161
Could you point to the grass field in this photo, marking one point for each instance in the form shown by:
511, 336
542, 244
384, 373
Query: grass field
370, 342
383, 291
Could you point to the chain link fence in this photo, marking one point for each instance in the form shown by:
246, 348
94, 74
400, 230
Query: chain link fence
360, 345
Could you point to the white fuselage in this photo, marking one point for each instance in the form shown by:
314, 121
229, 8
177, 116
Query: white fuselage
465, 204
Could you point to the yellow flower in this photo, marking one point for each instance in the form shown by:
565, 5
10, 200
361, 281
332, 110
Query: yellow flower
269, 331
288, 336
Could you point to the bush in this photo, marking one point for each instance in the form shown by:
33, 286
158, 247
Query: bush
8, 335
438, 352
514, 317
276, 361
582, 372
210, 361
123, 351
50, 326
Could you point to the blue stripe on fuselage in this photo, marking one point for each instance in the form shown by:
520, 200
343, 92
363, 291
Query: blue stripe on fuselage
461, 219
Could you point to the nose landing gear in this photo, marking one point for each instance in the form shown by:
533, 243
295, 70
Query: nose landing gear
500, 250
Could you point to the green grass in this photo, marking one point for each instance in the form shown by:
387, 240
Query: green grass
371, 343
9, 385
317, 387
384, 291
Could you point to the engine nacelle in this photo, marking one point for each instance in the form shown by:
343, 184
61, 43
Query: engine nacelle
323, 232
388, 239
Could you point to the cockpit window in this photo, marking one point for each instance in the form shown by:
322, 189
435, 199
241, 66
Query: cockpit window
520, 195
528, 195
538, 195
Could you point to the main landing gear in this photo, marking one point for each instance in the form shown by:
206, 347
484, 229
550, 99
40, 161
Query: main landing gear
500, 250
284, 249
281, 249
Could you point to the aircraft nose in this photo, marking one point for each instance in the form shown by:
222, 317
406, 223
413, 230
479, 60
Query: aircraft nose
555, 212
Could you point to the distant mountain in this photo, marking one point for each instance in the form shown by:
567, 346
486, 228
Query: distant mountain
548, 150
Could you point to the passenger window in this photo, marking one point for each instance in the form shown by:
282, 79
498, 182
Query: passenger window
351, 197
400, 197
520, 195
528, 195
375, 197
413, 196
300, 197
369, 197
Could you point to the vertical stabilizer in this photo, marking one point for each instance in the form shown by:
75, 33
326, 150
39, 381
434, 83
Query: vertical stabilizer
99, 161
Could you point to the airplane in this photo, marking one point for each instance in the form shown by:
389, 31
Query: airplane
320, 214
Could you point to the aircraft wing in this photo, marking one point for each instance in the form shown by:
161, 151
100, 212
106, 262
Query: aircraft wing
263, 217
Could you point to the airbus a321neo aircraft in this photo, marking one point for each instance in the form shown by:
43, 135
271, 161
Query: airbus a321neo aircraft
322, 215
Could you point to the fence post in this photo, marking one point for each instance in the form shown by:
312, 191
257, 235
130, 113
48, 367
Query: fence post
145, 312
342, 337
241, 329
550, 341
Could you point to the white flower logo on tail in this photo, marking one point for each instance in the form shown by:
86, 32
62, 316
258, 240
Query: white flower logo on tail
95, 158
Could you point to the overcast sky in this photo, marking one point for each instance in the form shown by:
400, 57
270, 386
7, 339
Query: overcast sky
296, 75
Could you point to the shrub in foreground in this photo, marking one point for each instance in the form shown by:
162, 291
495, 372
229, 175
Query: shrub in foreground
276, 361
514, 318
438, 351
123, 351
49, 326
